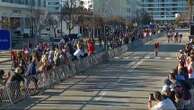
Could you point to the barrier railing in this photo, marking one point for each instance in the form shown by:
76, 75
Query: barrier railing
15, 91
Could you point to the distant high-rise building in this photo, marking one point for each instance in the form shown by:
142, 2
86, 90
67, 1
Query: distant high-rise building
164, 11
54, 6
121, 8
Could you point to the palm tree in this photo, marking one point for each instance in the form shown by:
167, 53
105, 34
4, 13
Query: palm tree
190, 2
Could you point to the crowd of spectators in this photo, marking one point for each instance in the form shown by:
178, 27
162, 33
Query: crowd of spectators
175, 93
29, 62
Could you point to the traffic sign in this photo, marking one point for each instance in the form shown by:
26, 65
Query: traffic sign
5, 40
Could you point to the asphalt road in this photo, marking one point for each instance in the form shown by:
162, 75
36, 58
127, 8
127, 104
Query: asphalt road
123, 83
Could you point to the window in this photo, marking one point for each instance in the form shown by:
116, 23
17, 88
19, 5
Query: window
53, 3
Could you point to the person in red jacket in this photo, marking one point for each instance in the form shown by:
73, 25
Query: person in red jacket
90, 47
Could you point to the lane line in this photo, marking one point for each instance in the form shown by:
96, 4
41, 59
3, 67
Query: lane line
138, 63
101, 96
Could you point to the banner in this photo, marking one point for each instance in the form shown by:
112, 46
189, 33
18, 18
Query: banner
5, 40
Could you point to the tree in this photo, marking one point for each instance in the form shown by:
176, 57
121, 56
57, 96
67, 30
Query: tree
70, 13
52, 22
38, 21
146, 19
143, 17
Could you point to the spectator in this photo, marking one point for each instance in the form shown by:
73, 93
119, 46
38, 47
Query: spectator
56, 57
167, 84
162, 103
2, 72
179, 101
30, 75
168, 93
7, 78
78, 53
14, 58
66, 54
17, 76
90, 47
51, 57
181, 74
190, 67
15, 82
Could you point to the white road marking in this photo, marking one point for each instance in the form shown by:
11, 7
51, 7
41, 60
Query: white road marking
136, 57
157, 57
137, 64
147, 57
168, 58
126, 57
131, 64
101, 96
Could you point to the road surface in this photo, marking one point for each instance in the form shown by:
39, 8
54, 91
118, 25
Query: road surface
123, 83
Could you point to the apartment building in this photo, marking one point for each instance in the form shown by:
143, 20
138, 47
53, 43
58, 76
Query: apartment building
16, 13
164, 10
54, 6
121, 8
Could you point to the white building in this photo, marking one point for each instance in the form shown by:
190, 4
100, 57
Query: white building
17, 12
121, 8
54, 6
164, 10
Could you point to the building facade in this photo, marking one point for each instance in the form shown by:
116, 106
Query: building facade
15, 14
54, 6
121, 8
164, 10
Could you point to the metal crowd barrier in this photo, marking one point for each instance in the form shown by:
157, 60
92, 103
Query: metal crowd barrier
117, 51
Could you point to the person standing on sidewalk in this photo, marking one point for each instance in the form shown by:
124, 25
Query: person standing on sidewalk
156, 49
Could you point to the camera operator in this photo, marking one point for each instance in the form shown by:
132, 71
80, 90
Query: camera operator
162, 103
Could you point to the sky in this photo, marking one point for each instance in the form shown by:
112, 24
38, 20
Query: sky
86, 3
